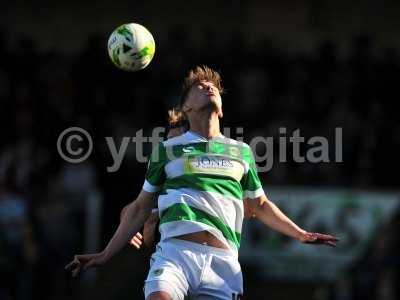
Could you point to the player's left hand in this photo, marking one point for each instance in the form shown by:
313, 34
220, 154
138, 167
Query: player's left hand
319, 239
137, 240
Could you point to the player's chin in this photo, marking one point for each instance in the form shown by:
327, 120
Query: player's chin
216, 103
207, 105
215, 98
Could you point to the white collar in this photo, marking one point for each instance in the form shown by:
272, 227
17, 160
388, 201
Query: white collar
193, 135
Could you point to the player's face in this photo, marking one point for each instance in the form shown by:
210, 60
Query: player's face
204, 95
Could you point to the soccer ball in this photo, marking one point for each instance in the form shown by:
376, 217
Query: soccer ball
131, 47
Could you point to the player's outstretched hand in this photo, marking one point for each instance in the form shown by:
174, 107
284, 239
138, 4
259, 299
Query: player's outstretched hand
318, 239
137, 240
85, 261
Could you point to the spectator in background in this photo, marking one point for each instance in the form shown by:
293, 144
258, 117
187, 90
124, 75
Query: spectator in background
18, 246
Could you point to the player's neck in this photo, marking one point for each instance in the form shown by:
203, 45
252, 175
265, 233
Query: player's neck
206, 126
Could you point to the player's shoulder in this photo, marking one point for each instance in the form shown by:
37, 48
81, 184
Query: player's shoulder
177, 140
229, 141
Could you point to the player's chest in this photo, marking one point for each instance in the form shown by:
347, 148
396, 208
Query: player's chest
206, 159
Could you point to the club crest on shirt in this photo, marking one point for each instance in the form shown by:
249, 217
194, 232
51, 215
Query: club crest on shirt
157, 272
234, 151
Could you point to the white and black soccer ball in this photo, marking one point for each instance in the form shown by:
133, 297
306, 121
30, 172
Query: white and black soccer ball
131, 47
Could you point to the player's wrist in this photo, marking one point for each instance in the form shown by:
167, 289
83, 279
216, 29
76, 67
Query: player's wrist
301, 235
105, 255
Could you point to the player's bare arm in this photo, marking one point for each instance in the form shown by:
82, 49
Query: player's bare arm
268, 213
137, 240
133, 219
149, 229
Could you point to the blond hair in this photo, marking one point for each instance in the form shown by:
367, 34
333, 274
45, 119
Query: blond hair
176, 118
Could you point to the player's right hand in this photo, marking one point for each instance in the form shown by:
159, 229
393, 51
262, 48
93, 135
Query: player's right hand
137, 241
85, 261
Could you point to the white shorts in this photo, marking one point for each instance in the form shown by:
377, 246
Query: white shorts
182, 268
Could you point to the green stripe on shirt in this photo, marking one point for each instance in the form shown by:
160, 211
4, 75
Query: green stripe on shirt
203, 182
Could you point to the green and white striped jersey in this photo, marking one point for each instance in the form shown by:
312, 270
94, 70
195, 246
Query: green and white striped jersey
202, 184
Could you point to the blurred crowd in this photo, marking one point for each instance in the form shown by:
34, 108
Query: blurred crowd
43, 92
